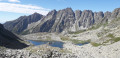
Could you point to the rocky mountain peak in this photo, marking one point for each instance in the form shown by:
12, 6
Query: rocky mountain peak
115, 13
52, 12
101, 14
107, 14
35, 13
68, 9
117, 10
87, 11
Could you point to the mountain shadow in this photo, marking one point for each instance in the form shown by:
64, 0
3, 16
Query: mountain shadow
9, 40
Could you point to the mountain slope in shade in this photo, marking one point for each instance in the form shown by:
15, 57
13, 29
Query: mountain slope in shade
9, 40
20, 24
63, 21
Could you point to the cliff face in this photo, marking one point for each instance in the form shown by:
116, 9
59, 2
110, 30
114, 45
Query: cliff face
62, 20
9, 40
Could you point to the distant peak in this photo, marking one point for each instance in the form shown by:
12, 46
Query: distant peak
77, 10
68, 8
52, 12
88, 10
35, 13
107, 12
117, 10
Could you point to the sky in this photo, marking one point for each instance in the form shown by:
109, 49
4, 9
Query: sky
12, 9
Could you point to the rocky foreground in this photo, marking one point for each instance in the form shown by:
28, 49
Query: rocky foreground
43, 51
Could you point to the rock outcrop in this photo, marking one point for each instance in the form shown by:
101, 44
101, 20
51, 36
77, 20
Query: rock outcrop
42, 51
115, 13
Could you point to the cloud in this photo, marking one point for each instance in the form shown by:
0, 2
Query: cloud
20, 8
13, 0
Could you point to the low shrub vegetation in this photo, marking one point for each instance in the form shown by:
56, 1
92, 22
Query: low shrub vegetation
75, 41
113, 38
95, 44
110, 35
64, 38
77, 32
25, 32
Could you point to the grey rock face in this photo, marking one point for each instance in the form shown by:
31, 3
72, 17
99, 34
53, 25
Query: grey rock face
106, 17
87, 19
64, 19
78, 14
115, 14
98, 17
46, 23
107, 14
77, 25
84, 19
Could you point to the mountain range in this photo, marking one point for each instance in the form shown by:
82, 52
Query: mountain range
65, 20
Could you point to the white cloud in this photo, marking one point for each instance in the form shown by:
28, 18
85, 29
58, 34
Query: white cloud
20, 8
13, 0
